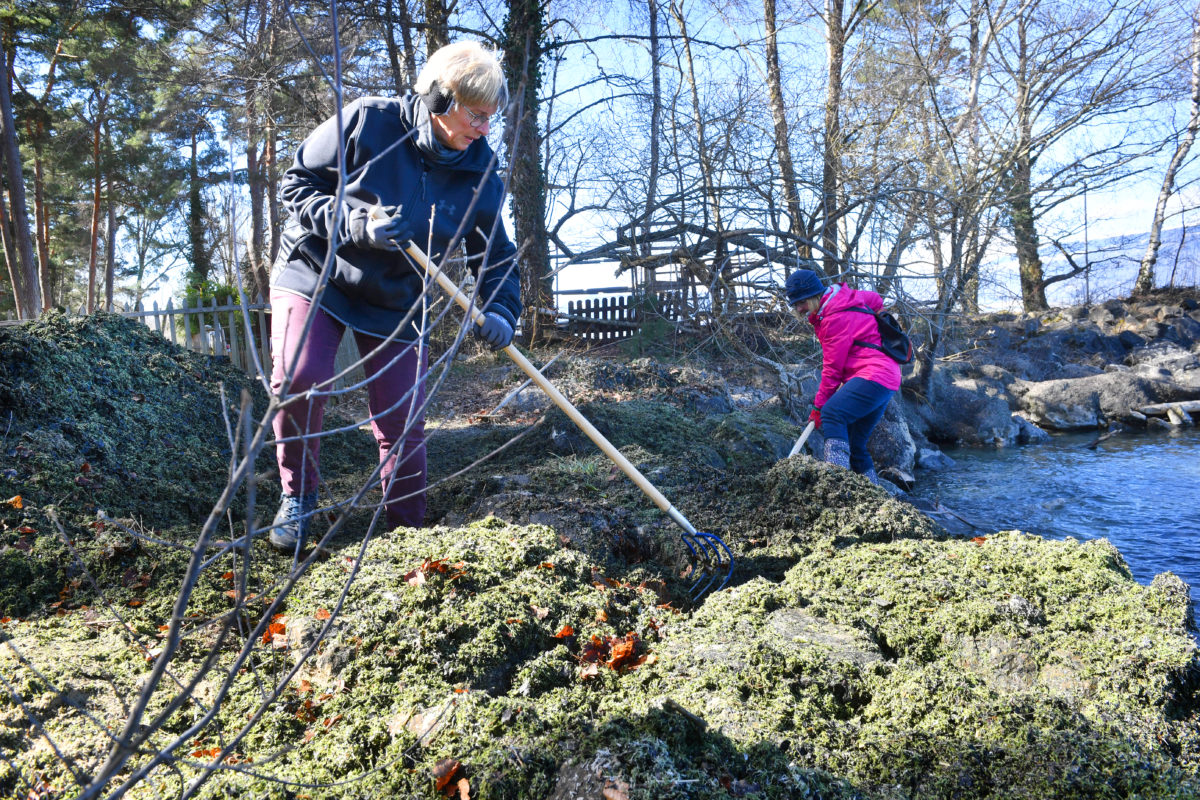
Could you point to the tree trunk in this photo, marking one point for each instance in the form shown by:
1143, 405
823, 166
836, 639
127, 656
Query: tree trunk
42, 226
27, 290
712, 202
255, 270
1020, 191
197, 251
403, 73
524, 36
787, 171
1025, 236
271, 171
835, 49
110, 251
11, 260
410, 50
97, 196
1145, 278
437, 25
655, 127
38, 135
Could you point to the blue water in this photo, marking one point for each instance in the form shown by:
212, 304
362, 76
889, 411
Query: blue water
1140, 491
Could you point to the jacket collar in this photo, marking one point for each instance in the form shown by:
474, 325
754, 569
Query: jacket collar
830, 293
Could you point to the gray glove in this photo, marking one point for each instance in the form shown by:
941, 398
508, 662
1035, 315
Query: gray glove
385, 229
495, 331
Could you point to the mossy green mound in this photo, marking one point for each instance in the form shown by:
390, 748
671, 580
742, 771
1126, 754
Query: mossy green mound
538, 638
104, 416
105, 412
916, 668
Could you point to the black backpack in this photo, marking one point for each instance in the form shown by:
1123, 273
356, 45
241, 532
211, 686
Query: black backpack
896, 343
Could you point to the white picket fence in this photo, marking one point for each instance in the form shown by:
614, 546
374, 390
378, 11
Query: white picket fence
216, 330
241, 334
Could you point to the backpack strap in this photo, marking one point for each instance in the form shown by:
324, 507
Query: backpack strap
859, 342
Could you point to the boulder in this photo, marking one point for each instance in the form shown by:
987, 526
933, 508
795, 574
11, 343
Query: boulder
891, 444
1166, 360
1027, 432
933, 459
1185, 331
1087, 403
1130, 339
1068, 371
969, 407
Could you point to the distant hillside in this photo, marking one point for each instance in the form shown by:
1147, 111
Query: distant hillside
1115, 263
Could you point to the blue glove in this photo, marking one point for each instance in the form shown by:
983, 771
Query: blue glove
385, 229
495, 330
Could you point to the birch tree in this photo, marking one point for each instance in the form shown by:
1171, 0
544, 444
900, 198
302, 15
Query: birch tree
1062, 70
1145, 278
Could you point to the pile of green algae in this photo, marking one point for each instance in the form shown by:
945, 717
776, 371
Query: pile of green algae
859, 652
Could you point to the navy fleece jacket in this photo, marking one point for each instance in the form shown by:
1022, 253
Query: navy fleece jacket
372, 290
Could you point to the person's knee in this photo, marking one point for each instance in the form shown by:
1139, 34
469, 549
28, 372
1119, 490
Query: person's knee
861, 463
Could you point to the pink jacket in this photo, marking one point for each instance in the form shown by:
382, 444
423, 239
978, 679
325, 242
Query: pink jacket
837, 329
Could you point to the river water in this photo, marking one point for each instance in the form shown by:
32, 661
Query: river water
1140, 491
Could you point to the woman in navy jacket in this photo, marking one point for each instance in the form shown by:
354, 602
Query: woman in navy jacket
416, 168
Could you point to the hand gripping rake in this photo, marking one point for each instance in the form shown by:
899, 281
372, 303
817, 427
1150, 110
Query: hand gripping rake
706, 551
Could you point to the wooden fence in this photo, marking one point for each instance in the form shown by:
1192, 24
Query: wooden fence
215, 329
244, 335
218, 330
610, 319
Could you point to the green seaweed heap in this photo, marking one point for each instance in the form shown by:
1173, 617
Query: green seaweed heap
537, 641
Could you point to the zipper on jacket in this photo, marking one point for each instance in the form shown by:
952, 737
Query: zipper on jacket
419, 194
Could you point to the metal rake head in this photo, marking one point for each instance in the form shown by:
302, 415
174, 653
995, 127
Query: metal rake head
710, 557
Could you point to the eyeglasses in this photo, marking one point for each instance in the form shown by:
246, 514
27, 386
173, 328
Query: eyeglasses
478, 120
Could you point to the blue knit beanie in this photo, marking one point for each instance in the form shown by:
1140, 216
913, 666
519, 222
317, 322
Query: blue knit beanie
801, 285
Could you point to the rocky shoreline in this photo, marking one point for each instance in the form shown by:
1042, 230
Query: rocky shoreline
537, 642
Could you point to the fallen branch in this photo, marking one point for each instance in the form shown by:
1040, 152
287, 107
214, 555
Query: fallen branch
1160, 409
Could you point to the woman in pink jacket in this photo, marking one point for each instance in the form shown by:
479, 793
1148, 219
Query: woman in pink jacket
857, 380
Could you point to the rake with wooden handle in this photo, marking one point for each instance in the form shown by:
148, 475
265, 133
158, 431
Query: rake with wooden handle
808, 429
708, 554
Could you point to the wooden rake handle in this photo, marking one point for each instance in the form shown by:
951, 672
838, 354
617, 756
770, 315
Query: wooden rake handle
476, 317
808, 429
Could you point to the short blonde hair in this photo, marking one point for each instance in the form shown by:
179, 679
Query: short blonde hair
467, 71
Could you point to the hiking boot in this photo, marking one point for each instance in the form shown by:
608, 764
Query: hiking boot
837, 452
872, 476
291, 521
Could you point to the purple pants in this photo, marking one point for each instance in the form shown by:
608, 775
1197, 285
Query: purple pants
395, 395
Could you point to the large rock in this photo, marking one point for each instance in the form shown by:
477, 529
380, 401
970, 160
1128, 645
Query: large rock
891, 444
1166, 360
970, 407
1087, 403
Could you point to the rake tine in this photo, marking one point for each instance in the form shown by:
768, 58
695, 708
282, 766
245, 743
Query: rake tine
697, 553
716, 545
701, 554
701, 564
